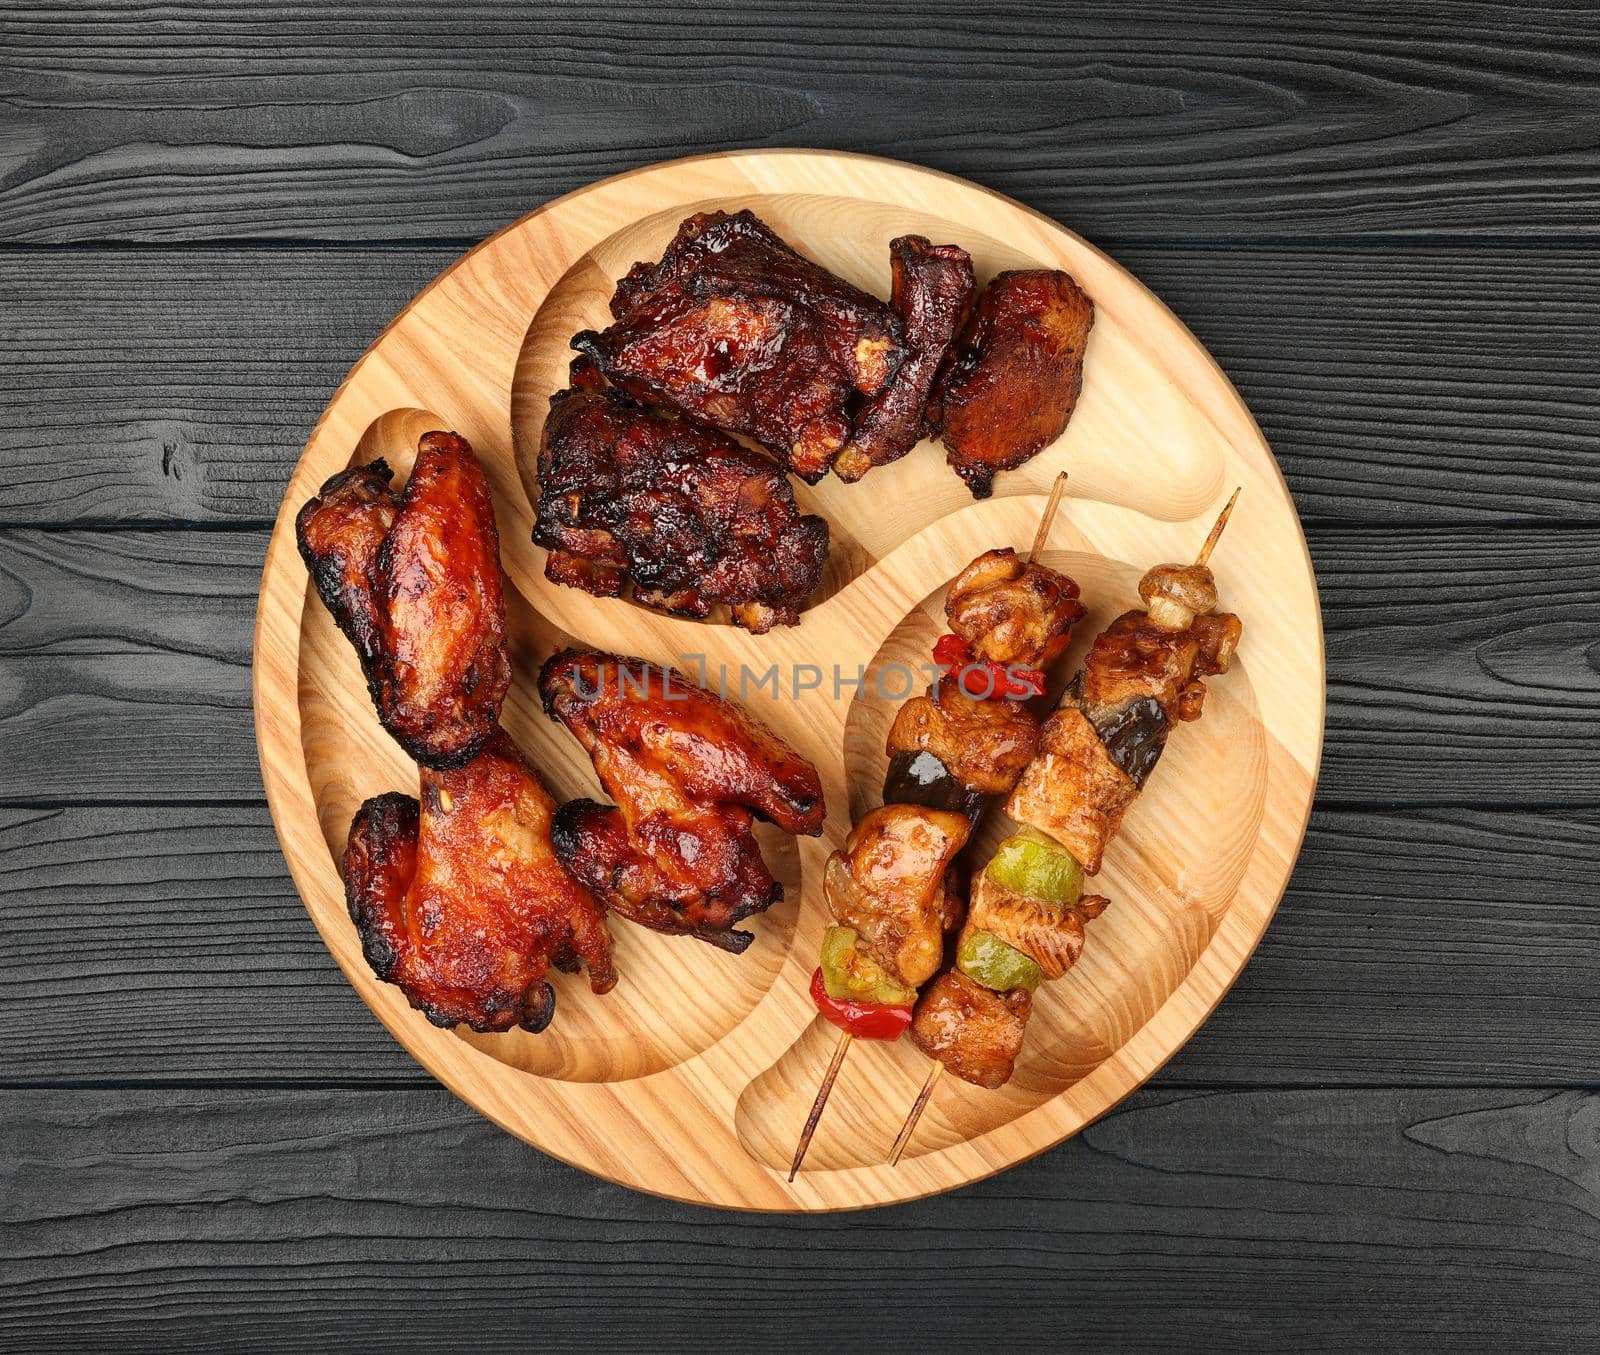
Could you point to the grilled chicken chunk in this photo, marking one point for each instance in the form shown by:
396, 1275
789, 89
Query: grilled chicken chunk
975, 1032
461, 901
1133, 660
947, 748
1013, 380
413, 581
1049, 934
984, 745
735, 328
932, 289
1140, 676
689, 772
693, 518
1012, 611
1073, 790
888, 883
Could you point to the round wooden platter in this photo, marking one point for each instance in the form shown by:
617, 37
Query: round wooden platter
692, 1078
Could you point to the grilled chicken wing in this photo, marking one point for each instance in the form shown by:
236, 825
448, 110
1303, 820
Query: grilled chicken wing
461, 901
413, 581
932, 289
689, 773
693, 518
974, 1031
888, 884
735, 328
1012, 382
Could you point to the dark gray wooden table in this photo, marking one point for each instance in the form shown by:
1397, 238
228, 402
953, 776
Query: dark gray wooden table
1384, 224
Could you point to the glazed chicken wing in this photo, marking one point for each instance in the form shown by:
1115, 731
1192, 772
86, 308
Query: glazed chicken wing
689, 772
932, 288
413, 581
693, 518
1012, 382
736, 329
461, 901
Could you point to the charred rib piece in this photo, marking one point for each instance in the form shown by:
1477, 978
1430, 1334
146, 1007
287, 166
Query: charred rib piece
461, 901
413, 581
689, 773
1013, 381
736, 329
932, 291
693, 518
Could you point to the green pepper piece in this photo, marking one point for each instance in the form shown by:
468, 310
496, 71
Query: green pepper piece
1030, 863
849, 974
995, 963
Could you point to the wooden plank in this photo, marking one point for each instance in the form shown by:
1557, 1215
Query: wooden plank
1383, 1220
1128, 120
1443, 384
1452, 656
153, 944
127, 665
1460, 667
204, 965
166, 387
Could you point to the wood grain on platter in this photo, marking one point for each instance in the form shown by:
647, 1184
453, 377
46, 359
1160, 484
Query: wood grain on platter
692, 1078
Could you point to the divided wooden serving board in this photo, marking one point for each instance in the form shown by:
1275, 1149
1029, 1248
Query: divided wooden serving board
692, 1078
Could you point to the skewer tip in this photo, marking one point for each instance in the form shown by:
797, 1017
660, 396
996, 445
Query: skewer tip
1216, 528
1048, 517
819, 1104
917, 1107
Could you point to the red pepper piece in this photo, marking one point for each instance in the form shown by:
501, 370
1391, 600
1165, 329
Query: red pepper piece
983, 680
1025, 682
864, 1020
951, 651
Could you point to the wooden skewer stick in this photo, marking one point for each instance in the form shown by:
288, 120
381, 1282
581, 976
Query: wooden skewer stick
829, 1078
1046, 520
917, 1107
1216, 530
1048, 517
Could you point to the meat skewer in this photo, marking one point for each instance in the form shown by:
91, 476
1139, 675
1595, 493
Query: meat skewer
953, 751
1027, 916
